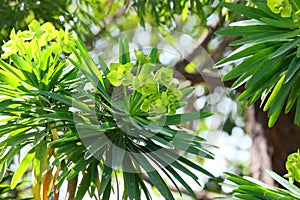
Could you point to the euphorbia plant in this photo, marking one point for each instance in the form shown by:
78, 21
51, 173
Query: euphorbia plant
133, 129
125, 127
34, 60
249, 188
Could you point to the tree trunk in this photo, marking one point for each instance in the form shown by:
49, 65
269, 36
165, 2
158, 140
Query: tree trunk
270, 146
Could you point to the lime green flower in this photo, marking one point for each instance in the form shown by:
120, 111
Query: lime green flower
280, 6
148, 69
146, 105
158, 106
165, 98
164, 76
145, 84
171, 109
296, 16
148, 89
293, 166
120, 74
36, 38
174, 94
157, 93
145, 78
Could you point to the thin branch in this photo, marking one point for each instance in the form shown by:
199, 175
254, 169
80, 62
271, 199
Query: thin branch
95, 196
71, 189
216, 56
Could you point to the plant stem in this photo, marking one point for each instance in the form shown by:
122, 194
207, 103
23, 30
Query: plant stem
72, 186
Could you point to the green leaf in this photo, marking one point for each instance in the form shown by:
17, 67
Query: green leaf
245, 10
54, 78
84, 184
292, 69
280, 23
104, 67
274, 116
164, 143
294, 189
95, 147
124, 54
259, 192
21, 63
247, 30
297, 116
130, 184
285, 47
266, 37
94, 177
265, 71
160, 184
67, 100
141, 57
63, 141
253, 61
78, 166
294, 94
107, 126
264, 7
106, 176
3, 168
256, 96
107, 191
155, 178
274, 93
280, 99
243, 51
22, 168
89, 67
238, 180
182, 181
105, 70
295, 4
187, 91
118, 152
183, 118
153, 55
196, 167
7, 78
40, 155
298, 52
15, 72
26, 69
66, 116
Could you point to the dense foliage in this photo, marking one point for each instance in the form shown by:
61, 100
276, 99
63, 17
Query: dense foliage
44, 73
267, 64
250, 189
269, 59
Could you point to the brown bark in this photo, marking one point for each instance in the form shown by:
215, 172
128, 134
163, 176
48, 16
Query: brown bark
261, 149
271, 146
72, 187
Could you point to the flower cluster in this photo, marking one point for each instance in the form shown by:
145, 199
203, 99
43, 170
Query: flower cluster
37, 38
280, 6
293, 166
155, 86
